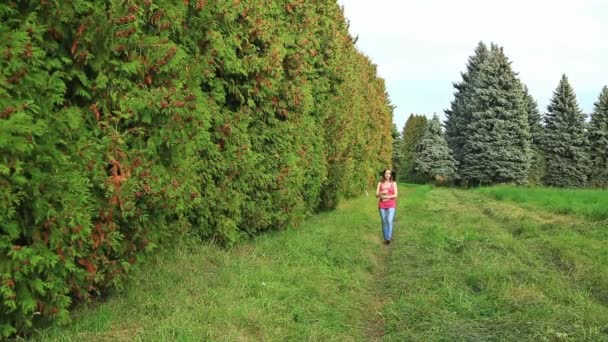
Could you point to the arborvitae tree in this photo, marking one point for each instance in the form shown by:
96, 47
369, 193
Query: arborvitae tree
537, 162
433, 158
358, 122
126, 123
397, 150
497, 146
598, 141
457, 117
412, 133
564, 140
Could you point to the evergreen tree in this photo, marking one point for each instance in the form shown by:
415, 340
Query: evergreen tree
497, 146
126, 123
433, 158
564, 141
457, 116
537, 162
397, 151
534, 117
412, 133
598, 141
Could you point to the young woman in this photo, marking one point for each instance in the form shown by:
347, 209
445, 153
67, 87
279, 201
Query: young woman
387, 193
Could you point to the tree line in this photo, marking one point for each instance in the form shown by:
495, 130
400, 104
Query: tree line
124, 124
494, 133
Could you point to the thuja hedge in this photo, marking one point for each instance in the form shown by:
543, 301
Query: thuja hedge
126, 123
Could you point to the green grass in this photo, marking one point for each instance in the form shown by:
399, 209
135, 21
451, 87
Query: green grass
587, 203
470, 268
488, 264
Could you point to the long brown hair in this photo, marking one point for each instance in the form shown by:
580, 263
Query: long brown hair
393, 175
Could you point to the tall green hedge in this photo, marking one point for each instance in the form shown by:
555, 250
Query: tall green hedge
126, 123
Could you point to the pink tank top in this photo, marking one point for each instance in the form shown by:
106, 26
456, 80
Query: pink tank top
390, 203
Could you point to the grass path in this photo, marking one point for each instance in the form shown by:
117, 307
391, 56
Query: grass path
317, 283
464, 266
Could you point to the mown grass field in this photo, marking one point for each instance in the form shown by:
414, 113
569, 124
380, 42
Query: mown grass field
490, 264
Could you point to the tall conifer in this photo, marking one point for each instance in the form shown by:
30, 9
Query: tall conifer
412, 133
397, 150
534, 117
497, 146
537, 161
433, 157
598, 141
564, 141
457, 116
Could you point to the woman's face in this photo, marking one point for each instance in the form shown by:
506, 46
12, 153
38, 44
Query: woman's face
387, 174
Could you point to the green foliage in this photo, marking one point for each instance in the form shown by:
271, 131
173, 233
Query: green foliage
598, 141
564, 140
126, 123
413, 131
433, 158
497, 137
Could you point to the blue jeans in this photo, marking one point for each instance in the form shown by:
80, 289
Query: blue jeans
387, 222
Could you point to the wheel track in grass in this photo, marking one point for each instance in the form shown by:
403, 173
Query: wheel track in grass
375, 327
513, 218
502, 221
516, 212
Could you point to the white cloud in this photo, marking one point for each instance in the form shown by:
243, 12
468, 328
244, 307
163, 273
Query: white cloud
428, 42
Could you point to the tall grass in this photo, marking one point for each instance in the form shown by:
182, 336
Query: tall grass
588, 203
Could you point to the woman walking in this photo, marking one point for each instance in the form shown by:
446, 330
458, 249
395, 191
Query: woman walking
387, 193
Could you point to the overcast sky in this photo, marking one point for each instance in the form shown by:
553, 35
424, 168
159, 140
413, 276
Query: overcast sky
421, 46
